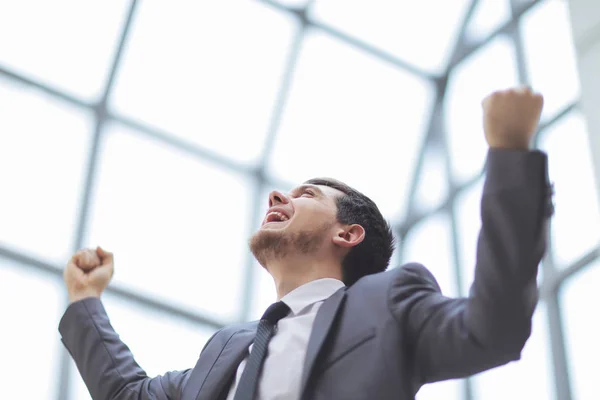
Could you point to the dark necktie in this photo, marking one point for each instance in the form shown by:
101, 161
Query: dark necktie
246, 389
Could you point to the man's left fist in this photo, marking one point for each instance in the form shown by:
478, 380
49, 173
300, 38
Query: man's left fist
511, 117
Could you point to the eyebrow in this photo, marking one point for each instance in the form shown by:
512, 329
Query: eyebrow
305, 186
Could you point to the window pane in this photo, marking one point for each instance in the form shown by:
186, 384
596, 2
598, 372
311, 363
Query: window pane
550, 53
489, 15
528, 378
159, 342
410, 30
213, 69
429, 243
579, 296
66, 43
576, 223
446, 390
293, 3
489, 69
432, 188
396, 259
352, 118
177, 225
31, 306
43, 155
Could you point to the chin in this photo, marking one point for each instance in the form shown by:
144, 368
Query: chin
267, 232
268, 242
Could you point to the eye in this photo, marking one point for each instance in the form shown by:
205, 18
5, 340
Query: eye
308, 192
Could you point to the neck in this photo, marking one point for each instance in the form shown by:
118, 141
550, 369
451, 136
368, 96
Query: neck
290, 274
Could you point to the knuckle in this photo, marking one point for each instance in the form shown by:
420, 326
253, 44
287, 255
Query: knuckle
496, 94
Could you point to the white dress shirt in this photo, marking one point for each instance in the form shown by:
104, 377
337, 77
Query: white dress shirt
282, 369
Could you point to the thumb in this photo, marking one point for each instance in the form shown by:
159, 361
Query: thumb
106, 257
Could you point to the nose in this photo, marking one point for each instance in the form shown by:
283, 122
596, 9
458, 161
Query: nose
276, 197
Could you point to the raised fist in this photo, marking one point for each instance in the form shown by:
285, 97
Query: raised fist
88, 273
511, 117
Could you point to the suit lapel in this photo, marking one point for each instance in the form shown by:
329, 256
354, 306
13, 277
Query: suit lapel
208, 382
321, 327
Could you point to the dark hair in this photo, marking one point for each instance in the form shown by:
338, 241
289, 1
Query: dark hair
373, 254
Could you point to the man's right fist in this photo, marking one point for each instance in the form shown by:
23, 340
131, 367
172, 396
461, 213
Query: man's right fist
88, 273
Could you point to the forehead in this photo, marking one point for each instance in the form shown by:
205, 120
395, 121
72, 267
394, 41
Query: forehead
322, 190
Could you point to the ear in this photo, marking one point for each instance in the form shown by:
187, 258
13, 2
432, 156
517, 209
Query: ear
349, 236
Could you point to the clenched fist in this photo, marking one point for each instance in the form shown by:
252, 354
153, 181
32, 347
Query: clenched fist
511, 117
88, 273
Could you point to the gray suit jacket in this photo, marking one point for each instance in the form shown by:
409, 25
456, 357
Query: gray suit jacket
385, 336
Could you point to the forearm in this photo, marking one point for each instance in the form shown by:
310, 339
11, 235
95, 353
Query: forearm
515, 207
104, 361
454, 338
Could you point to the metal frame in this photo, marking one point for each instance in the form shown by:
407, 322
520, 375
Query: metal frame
435, 136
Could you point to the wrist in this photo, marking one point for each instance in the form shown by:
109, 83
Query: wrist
511, 148
506, 142
74, 297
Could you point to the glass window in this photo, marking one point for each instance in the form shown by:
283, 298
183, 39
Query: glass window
66, 43
432, 188
294, 3
213, 71
396, 259
77, 387
576, 223
159, 342
489, 15
43, 158
447, 390
491, 68
32, 303
550, 54
409, 30
468, 224
429, 243
353, 118
579, 297
528, 378
177, 225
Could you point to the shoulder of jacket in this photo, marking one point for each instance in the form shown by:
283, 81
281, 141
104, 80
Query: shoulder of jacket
408, 272
239, 327
222, 335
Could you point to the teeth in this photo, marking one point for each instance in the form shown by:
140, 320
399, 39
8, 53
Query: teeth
281, 217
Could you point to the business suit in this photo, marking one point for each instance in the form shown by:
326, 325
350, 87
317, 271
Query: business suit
383, 337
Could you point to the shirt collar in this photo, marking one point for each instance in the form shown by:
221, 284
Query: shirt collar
311, 293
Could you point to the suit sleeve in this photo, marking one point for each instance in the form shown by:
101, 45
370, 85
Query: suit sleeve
106, 363
453, 338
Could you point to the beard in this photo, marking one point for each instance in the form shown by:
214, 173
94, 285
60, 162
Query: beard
277, 244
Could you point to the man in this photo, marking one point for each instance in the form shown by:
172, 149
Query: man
344, 328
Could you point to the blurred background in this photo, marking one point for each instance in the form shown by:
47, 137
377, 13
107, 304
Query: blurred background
156, 129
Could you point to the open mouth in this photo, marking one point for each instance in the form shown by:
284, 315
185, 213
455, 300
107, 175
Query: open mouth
275, 216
